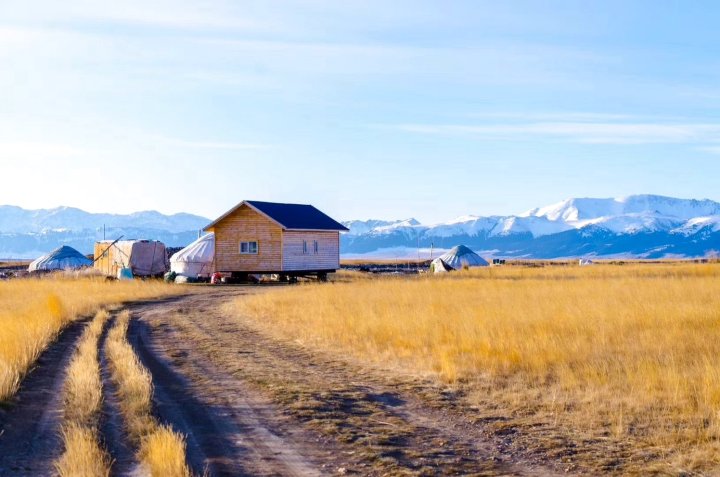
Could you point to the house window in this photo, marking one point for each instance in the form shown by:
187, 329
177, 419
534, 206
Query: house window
304, 247
248, 248
315, 247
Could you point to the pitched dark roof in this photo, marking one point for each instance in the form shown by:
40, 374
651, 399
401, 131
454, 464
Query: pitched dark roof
290, 216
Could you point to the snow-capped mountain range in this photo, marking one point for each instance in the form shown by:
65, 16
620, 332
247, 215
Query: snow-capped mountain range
648, 226
30, 233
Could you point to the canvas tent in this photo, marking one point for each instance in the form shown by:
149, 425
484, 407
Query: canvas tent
62, 258
458, 258
439, 266
196, 259
145, 258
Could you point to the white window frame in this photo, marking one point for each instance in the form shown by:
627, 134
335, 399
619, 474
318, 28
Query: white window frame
316, 247
249, 247
304, 249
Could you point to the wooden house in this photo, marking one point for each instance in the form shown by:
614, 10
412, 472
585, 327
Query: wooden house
269, 238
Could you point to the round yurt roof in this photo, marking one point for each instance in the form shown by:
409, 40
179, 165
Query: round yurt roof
62, 258
200, 251
461, 256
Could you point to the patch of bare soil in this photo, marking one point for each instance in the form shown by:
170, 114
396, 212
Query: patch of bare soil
252, 405
30, 421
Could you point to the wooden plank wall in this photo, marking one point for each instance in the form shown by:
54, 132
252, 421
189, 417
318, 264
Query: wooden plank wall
104, 263
245, 225
327, 258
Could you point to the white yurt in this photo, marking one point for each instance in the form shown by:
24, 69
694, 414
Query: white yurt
438, 266
62, 258
198, 258
458, 258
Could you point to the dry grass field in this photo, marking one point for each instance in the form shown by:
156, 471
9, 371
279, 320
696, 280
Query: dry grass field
33, 311
624, 356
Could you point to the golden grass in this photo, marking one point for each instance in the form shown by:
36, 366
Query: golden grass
33, 311
629, 352
83, 455
162, 450
83, 386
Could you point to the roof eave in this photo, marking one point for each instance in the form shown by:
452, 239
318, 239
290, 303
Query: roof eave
317, 230
212, 225
231, 211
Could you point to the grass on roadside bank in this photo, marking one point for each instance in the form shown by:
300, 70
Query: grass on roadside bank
626, 354
83, 455
34, 310
161, 450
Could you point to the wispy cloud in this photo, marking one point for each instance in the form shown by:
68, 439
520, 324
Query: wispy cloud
236, 146
565, 116
39, 150
710, 149
581, 132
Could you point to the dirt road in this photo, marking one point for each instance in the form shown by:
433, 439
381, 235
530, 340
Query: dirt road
252, 405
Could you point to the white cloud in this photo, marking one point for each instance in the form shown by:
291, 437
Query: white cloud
213, 145
39, 150
567, 116
710, 149
582, 132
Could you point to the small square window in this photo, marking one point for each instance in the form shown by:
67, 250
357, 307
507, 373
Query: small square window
248, 248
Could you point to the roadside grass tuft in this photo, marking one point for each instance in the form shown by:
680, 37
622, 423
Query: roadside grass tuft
161, 450
83, 455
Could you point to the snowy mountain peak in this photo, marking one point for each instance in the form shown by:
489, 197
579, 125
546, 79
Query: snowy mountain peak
637, 225
582, 211
358, 227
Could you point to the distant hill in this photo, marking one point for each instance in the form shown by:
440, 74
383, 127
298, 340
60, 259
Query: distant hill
30, 233
641, 226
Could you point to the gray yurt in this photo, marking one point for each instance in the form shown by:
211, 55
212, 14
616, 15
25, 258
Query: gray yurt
62, 258
458, 258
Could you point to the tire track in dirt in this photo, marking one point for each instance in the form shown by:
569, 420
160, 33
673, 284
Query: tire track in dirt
30, 423
224, 437
389, 431
208, 447
112, 431
340, 417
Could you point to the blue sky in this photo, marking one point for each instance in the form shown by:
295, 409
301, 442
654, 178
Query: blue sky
362, 108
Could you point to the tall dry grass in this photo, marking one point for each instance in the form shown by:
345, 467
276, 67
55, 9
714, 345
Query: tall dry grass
83, 455
161, 450
619, 351
33, 311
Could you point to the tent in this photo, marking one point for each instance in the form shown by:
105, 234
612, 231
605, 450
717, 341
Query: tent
198, 258
143, 257
460, 257
62, 258
439, 266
